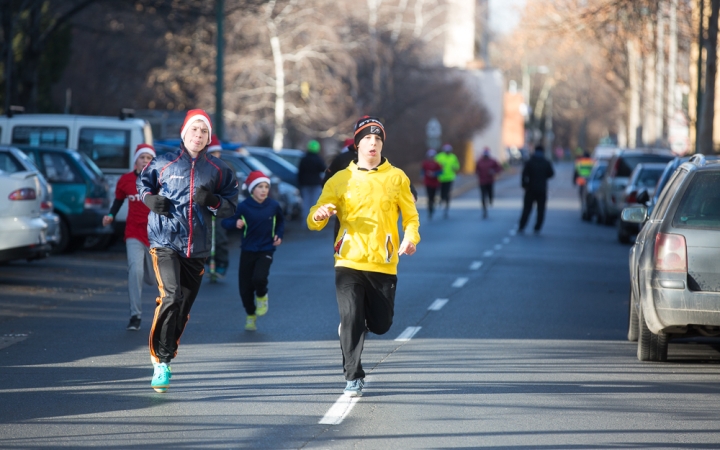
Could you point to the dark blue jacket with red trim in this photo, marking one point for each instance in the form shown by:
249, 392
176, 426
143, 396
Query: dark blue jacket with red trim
176, 175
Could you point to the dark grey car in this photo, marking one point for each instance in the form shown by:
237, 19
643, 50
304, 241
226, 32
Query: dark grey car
674, 264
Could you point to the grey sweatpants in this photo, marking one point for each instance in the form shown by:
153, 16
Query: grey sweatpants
140, 269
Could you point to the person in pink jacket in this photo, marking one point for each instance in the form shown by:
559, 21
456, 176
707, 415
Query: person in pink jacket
487, 169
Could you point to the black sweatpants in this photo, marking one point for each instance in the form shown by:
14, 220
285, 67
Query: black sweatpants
538, 197
431, 190
486, 195
253, 277
445, 190
179, 281
366, 302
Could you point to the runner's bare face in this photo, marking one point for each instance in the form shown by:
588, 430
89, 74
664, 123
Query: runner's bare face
142, 161
260, 192
369, 149
196, 137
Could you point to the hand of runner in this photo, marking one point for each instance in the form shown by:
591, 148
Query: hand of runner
406, 248
276, 241
240, 224
324, 212
107, 220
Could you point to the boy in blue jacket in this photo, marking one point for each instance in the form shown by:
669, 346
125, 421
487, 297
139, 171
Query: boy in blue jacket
262, 222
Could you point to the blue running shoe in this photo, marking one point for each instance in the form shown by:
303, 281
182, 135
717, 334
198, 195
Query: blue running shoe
354, 388
161, 377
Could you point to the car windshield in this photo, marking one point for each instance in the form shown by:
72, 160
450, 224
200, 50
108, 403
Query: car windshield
700, 205
599, 172
255, 164
8, 163
88, 165
626, 164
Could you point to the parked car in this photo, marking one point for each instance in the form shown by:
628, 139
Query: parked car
674, 268
286, 194
80, 196
616, 177
109, 141
13, 160
22, 229
291, 155
588, 203
279, 166
643, 179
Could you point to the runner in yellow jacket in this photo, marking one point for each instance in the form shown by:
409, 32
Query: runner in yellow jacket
368, 197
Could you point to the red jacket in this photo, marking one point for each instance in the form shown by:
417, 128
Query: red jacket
430, 169
137, 218
486, 170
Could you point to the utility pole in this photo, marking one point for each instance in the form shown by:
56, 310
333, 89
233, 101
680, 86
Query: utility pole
700, 90
7, 27
660, 73
219, 128
705, 135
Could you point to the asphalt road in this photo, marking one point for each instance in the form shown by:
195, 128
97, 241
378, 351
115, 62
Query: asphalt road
524, 348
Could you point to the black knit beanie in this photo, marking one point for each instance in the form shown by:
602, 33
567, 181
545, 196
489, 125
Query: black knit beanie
368, 125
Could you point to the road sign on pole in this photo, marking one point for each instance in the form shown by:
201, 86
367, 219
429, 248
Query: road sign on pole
433, 133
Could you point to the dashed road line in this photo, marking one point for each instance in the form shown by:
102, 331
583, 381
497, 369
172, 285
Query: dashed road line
487, 253
476, 265
407, 334
438, 304
506, 240
339, 411
460, 282
498, 246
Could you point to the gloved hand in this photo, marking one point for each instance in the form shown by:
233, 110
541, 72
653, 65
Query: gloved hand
158, 204
204, 197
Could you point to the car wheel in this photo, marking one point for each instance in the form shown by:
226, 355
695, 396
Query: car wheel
651, 346
98, 241
633, 324
63, 241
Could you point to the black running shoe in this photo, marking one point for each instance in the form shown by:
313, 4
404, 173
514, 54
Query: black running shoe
134, 324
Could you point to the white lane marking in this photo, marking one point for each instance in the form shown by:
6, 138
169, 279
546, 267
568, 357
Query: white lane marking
460, 282
476, 265
498, 246
488, 253
438, 304
408, 334
506, 240
513, 232
342, 407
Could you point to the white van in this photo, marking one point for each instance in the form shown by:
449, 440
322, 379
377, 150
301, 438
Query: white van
108, 141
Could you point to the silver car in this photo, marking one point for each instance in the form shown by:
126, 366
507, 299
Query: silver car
13, 160
674, 264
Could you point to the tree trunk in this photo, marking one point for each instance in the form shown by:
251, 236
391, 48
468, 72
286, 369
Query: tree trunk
279, 135
633, 95
660, 74
705, 135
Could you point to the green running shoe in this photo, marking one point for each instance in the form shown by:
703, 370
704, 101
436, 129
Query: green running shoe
261, 305
250, 323
161, 377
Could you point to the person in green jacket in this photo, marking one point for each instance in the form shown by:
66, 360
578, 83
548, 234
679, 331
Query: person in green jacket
450, 167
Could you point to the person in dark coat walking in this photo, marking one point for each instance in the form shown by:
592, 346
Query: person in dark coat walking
536, 172
310, 176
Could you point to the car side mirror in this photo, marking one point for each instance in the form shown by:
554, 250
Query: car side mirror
634, 214
643, 197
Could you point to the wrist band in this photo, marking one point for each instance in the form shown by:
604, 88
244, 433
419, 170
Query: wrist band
110, 215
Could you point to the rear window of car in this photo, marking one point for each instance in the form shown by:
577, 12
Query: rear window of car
626, 164
700, 204
647, 178
109, 149
36, 136
9, 164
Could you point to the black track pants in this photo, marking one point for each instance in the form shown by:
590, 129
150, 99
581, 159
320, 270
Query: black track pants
178, 281
531, 197
365, 299
253, 277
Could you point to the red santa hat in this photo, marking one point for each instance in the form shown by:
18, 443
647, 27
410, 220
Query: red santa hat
143, 148
256, 177
192, 116
215, 145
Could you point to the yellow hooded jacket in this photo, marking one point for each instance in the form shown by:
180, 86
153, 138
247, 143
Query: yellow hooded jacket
369, 203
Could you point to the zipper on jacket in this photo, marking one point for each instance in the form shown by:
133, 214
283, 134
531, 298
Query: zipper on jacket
190, 214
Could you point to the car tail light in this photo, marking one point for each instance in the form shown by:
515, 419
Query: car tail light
23, 194
670, 253
632, 197
46, 206
91, 203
